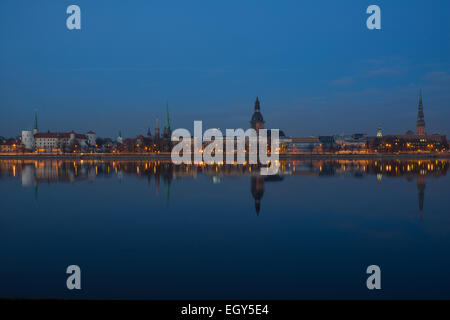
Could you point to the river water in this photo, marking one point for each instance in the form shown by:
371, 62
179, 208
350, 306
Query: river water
153, 230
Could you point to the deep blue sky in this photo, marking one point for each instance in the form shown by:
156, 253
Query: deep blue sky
315, 66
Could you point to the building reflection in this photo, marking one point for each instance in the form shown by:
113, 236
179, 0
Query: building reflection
33, 173
421, 189
257, 189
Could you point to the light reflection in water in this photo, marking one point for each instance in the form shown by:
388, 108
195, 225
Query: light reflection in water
32, 173
224, 231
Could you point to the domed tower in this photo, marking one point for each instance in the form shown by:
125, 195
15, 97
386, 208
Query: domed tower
420, 129
379, 132
257, 121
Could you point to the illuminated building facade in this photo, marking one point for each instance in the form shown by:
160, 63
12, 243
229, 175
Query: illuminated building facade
379, 132
410, 142
60, 140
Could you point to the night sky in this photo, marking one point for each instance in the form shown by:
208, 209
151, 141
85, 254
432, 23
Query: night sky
315, 66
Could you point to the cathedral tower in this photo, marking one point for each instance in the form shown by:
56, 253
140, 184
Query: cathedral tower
257, 121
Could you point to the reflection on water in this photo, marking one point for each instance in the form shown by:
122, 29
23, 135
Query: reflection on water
32, 173
154, 230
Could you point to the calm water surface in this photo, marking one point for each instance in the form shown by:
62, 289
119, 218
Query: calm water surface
155, 230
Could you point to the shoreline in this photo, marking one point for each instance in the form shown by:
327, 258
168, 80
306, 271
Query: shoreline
283, 157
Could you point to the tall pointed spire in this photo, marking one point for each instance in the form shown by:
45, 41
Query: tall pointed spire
157, 129
167, 125
420, 128
257, 121
257, 107
167, 133
35, 128
420, 113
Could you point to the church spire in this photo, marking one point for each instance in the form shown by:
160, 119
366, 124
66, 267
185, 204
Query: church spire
167, 125
35, 128
420, 129
157, 129
167, 133
257, 121
257, 107
420, 115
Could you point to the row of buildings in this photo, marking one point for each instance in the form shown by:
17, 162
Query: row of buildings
155, 142
419, 141
56, 141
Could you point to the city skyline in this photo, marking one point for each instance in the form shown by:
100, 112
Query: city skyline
155, 127
316, 72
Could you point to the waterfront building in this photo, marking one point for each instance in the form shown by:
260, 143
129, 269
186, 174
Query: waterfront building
327, 143
10, 145
119, 138
300, 145
410, 142
91, 138
49, 141
356, 141
379, 132
27, 139
52, 141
